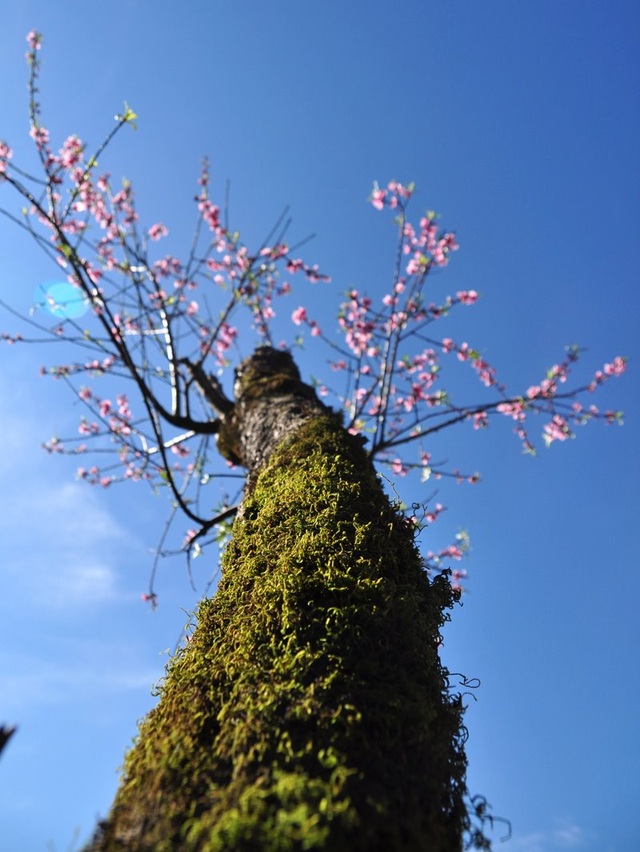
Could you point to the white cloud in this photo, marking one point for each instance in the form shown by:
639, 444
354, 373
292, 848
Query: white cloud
61, 544
565, 835
28, 680
569, 836
535, 842
78, 585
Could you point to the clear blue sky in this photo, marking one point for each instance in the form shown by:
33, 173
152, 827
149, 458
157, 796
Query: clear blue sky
520, 123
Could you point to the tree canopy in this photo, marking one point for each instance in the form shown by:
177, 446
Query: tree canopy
171, 328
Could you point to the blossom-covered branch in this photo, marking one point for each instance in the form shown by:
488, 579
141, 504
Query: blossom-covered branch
170, 328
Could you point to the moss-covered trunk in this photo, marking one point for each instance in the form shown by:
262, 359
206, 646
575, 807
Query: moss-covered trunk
310, 709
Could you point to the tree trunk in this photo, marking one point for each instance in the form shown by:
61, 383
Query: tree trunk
310, 709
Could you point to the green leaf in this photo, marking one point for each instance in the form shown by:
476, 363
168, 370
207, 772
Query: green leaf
128, 116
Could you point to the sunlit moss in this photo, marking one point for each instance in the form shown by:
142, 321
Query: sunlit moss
310, 709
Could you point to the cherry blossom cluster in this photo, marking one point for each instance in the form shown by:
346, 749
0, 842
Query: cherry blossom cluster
5, 155
394, 393
158, 321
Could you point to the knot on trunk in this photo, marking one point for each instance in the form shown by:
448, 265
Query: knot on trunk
271, 402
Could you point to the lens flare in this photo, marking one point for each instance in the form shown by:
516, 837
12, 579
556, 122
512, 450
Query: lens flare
61, 299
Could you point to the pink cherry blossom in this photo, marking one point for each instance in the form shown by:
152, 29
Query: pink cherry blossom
210, 214
398, 467
556, 430
71, 153
377, 198
616, 367
453, 552
157, 231
485, 372
456, 576
123, 406
5, 155
275, 252
299, 316
150, 598
433, 514
480, 420
294, 266
34, 40
400, 189
512, 409
40, 135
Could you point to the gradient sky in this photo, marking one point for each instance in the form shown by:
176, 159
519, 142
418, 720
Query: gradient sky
519, 123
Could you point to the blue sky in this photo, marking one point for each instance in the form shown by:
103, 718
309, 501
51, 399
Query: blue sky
520, 124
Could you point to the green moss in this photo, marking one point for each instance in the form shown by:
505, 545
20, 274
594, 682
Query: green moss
309, 710
267, 371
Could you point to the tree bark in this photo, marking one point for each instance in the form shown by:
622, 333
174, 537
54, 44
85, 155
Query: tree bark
310, 709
